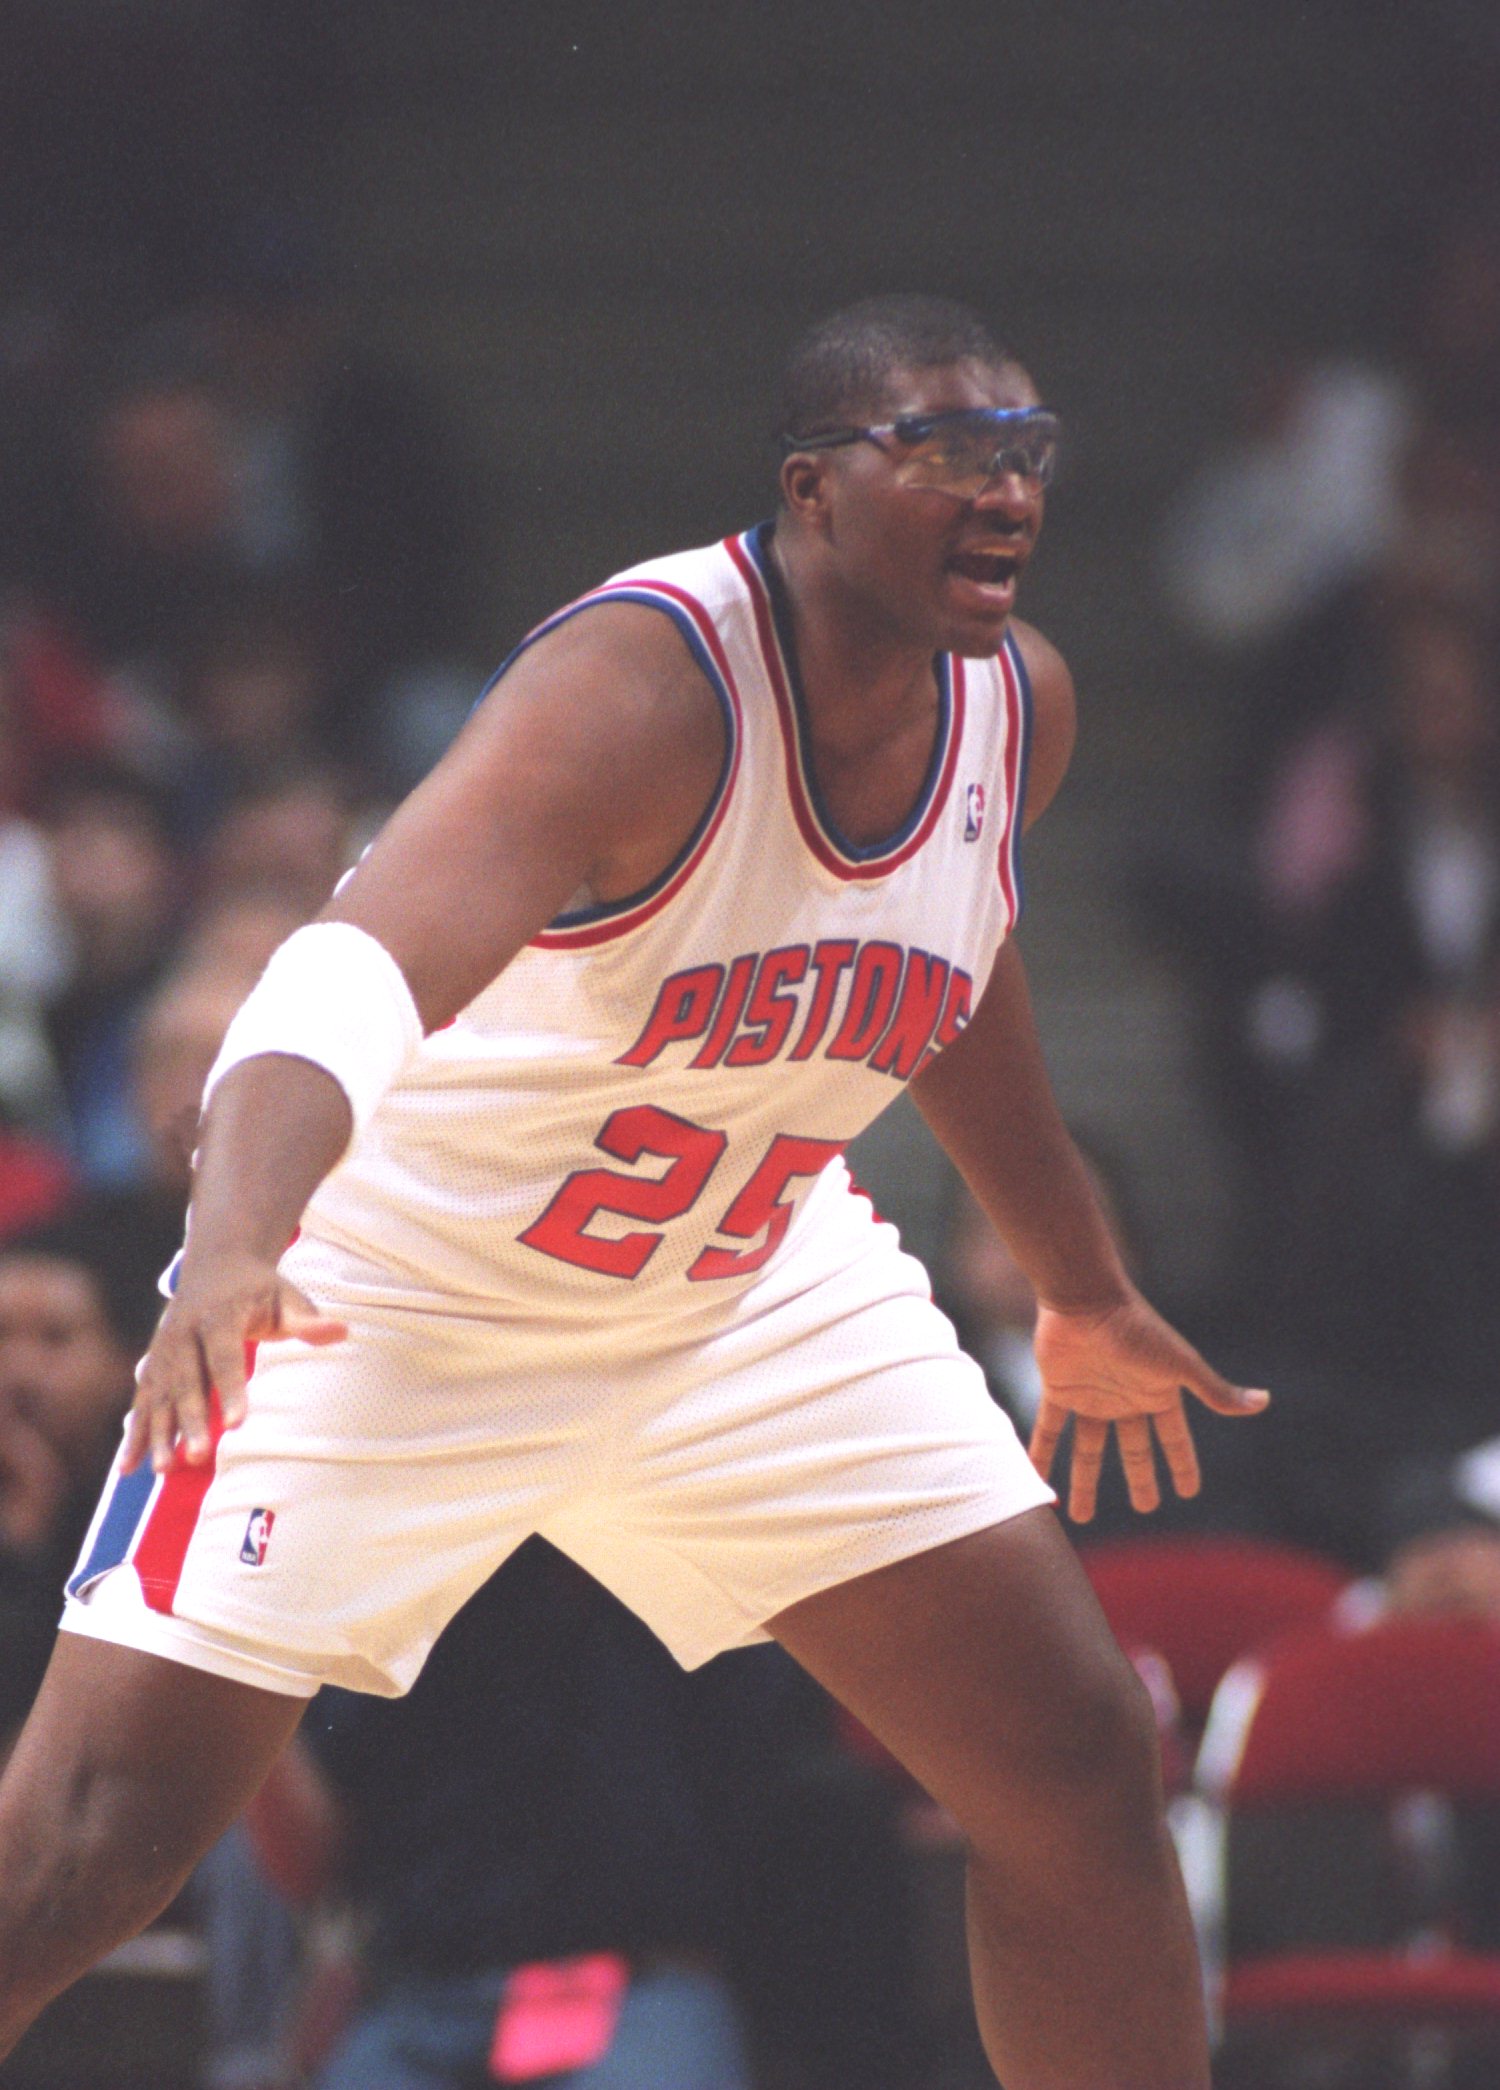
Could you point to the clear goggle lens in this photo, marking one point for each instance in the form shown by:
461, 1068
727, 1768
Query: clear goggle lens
961, 453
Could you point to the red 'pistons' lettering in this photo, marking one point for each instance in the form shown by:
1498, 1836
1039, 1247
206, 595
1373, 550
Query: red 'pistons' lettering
683, 1007
769, 1013
737, 987
831, 960
877, 1002
957, 1008
877, 975
629, 1134
916, 1016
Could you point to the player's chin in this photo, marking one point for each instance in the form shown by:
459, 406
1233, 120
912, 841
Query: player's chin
977, 618
976, 637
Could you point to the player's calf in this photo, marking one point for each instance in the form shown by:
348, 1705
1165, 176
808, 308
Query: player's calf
128, 1770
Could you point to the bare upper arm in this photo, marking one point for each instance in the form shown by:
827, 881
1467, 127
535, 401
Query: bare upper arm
587, 767
1054, 718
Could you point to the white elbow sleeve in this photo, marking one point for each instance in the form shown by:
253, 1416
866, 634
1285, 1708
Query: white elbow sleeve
334, 995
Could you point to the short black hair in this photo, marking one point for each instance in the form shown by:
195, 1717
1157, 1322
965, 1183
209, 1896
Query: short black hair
837, 371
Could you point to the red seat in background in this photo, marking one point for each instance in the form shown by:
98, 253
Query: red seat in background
1391, 1730
1202, 1603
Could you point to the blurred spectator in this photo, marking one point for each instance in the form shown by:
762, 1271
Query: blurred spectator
1360, 1041
1447, 547
1390, 1175
174, 1041
36, 1183
292, 838
1341, 570
1353, 929
555, 1788
72, 1321
56, 708
1452, 1573
252, 698
256, 441
33, 957
1378, 856
146, 556
1352, 476
234, 935
117, 882
1279, 524
1456, 320
347, 476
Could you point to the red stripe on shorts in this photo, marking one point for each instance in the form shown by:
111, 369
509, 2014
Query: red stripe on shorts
162, 1547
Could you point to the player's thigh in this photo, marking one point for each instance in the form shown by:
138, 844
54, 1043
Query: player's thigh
141, 1762
985, 1665
833, 1427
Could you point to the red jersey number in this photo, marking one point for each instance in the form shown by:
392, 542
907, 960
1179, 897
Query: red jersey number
628, 1135
762, 1207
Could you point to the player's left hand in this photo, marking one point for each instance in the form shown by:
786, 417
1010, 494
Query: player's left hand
1123, 1368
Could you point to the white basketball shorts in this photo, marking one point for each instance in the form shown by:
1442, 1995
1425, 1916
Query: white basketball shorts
710, 1470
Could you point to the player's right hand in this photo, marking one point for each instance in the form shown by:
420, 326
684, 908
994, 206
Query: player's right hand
198, 1356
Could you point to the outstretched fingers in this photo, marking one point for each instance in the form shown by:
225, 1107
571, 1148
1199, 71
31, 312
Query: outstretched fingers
173, 1392
1046, 1435
1137, 1455
200, 1356
295, 1318
1178, 1449
1216, 1392
1139, 1462
1090, 1438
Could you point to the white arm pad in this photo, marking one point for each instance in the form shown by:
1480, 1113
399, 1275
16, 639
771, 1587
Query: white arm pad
334, 995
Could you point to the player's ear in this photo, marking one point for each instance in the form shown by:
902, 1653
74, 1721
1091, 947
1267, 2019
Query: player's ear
804, 484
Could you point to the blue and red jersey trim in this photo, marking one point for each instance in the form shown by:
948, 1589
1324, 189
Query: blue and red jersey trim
1018, 717
833, 851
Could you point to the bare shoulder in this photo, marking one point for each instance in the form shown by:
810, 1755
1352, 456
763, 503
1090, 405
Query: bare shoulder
617, 676
581, 775
1054, 717
611, 706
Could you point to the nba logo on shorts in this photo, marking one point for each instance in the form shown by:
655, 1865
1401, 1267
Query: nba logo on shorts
973, 811
257, 1537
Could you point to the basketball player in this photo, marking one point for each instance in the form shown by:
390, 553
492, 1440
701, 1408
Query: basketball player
552, 1099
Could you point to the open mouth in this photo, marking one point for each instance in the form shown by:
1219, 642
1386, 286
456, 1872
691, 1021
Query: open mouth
991, 569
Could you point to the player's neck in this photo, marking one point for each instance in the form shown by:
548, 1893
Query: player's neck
860, 678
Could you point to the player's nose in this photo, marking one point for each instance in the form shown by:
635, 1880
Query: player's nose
1008, 496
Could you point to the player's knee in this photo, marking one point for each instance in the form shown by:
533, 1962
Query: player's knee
1101, 1725
1086, 1755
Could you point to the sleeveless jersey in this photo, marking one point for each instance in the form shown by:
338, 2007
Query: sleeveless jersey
645, 1111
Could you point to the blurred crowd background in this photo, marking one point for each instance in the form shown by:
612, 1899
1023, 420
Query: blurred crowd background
337, 345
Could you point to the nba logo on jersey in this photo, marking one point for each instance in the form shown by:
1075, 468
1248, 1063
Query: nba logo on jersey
257, 1537
973, 811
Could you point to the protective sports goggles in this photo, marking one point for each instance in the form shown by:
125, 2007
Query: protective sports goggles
958, 452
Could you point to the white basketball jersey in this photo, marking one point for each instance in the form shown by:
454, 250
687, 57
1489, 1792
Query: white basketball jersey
646, 1109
